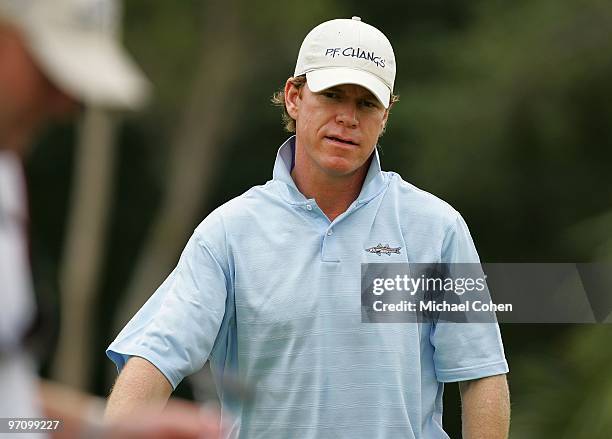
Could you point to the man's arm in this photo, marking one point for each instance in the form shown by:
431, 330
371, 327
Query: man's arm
485, 408
139, 386
81, 416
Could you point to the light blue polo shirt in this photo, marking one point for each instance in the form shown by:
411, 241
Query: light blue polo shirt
268, 289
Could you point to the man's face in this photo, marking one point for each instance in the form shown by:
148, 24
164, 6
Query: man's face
337, 128
29, 99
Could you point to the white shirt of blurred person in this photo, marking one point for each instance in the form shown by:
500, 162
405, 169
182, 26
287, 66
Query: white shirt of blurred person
53, 54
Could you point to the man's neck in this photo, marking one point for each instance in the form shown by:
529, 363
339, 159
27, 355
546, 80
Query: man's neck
333, 194
15, 140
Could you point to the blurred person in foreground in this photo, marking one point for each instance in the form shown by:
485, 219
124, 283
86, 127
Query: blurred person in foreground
56, 55
268, 287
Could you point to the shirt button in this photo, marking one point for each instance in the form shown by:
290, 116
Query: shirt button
308, 207
330, 232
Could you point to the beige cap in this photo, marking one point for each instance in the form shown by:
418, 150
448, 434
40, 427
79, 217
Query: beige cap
347, 51
75, 43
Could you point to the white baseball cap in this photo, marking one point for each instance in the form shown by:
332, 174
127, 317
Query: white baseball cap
75, 43
347, 51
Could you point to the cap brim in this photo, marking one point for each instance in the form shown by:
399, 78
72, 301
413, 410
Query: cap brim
321, 79
90, 68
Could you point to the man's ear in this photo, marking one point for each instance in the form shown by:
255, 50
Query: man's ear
385, 117
292, 99
61, 106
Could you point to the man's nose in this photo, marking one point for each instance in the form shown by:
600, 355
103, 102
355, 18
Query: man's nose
347, 115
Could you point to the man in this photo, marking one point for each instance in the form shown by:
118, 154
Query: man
268, 287
55, 55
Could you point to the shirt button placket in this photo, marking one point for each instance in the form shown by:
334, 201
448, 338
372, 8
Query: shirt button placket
328, 246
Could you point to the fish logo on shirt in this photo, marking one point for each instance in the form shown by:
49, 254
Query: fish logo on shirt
383, 249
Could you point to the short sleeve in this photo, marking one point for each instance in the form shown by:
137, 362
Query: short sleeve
465, 351
177, 327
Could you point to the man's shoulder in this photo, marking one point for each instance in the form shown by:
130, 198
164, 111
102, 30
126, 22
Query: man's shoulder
249, 202
240, 208
416, 202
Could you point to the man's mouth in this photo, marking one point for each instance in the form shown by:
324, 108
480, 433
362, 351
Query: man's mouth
338, 139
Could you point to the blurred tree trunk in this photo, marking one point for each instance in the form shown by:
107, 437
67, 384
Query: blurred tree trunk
209, 116
85, 238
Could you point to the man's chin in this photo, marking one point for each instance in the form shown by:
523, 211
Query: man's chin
339, 168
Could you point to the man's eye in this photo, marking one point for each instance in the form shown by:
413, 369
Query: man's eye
369, 104
330, 94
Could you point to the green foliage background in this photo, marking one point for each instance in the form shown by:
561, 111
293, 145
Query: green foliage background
505, 113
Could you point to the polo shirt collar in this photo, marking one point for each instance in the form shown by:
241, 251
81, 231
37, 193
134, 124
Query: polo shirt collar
374, 183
